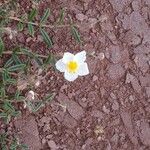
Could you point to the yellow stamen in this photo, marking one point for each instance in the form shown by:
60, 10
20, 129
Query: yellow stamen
72, 66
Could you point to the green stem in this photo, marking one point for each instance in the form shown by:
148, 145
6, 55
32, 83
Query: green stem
21, 53
37, 24
13, 101
11, 73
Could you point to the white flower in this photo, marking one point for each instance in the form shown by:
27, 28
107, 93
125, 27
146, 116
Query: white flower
73, 65
31, 95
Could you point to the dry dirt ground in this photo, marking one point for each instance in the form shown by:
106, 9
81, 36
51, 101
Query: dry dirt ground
110, 108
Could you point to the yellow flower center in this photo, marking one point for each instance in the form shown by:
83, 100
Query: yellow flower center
72, 66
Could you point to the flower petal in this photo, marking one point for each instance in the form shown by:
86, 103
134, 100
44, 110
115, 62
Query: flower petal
67, 57
60, 65
80, 57
70, 76
83, 69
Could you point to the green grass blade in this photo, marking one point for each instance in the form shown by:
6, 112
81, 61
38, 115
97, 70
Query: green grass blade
5, 76
20, 26
45, 16
50, 60
27, 52
16, 59
32, 14
1, 46
76, 34
12, 81
2, 92
31, 29
49, 98
8, 106
16, 67
61, 17
46, 38
3, 115
8, 63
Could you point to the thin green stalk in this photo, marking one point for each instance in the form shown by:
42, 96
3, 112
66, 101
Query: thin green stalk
21, 53
37, 24
12, 101
11, 73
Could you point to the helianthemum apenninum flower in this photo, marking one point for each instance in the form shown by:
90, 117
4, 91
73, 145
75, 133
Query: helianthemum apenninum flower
73, 65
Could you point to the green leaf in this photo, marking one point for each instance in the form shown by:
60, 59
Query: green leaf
16, 67
3, 115
20, 26
46, 38
16, 113
8, 106
14, 145
32, 14
8, 63
1, 46
16, 59
17, 95
50, 60
31, 29
62, 15
27, 52
49, 98
76, 34
37, 106
45, 16
5, 76
2, 92
12, 81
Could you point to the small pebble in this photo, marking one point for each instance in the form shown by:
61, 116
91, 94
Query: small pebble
43, 141
49, 136
81, 17
106, 110
52, 145
95, 78
101, 56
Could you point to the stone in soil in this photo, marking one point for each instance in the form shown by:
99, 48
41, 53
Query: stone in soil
132, 39
119, 5
145, 80
141, 61
145, 133
28, 132
69, 121
74, 109
147, 91
52, 145
134, 82
98, 114
127, 120
115, 71
135, 22
107, 28
142, 49
115, 105
81, 17
115, 53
